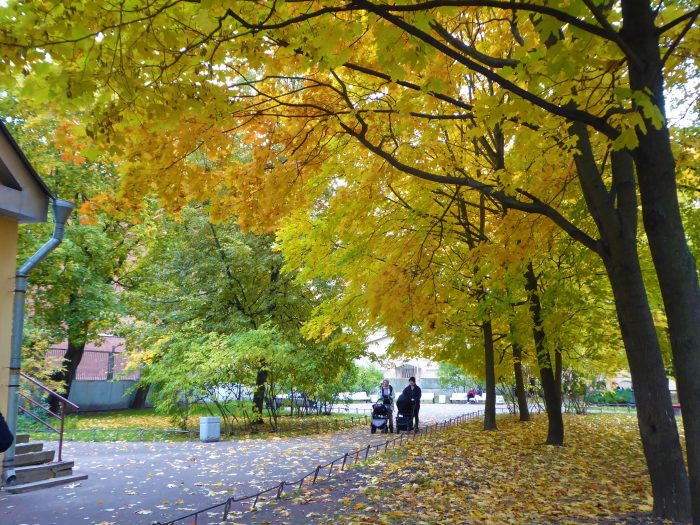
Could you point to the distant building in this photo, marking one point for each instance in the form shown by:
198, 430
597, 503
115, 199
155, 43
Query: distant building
101, 382
103, 359
397, 371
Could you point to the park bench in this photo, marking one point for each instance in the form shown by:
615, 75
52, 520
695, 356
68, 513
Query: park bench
359, 396
458, 397
428, 397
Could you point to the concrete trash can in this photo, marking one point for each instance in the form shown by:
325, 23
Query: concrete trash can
209, 429
442, 399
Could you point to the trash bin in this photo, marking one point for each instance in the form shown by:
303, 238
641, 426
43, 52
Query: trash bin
442, 399
209, 429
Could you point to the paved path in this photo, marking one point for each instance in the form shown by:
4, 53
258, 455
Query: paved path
140, 483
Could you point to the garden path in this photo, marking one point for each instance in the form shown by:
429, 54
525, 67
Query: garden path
146, 482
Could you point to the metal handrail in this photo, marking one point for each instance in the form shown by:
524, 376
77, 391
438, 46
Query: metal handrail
60, 417
36, 418
48, 390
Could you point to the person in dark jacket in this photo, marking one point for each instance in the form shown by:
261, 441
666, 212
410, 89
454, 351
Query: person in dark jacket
413, 392
6, 437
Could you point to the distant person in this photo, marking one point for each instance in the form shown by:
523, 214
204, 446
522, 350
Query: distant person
6, 437
413, 392
471, 395
386, 397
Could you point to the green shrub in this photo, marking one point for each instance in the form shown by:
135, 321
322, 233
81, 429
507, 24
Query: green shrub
610, 397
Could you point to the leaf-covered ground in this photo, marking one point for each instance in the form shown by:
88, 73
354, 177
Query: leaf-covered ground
465, 475
147, 425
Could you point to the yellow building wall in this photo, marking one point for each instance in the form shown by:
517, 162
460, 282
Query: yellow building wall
8, 267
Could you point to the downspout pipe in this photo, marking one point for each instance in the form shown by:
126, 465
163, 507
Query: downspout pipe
61, 211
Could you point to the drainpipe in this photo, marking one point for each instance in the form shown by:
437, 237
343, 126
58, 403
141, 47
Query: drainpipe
61, 211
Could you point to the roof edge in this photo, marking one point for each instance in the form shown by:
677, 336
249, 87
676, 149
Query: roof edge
25, 160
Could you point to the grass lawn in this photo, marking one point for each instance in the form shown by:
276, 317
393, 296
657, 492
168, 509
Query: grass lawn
464, 475
147, 425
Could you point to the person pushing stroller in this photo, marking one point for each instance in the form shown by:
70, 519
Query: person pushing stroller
413, 392
386, 397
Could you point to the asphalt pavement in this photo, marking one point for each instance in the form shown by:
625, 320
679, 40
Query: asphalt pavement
144, 482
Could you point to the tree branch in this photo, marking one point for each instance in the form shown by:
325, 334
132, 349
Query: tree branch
535, 206
471, 51
673, 23
570, 114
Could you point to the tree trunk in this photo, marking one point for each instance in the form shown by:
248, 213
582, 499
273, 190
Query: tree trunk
490, 407
675, 267
259, 394
558, 369
657, 424
66, 375
520, 392
552, 397
616, 219
140, 396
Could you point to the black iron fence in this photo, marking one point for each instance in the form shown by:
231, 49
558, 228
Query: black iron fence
234, 506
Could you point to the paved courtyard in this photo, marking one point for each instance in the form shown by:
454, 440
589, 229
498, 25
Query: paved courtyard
146, 482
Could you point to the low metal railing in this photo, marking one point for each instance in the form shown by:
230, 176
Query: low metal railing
60, 417
336, 466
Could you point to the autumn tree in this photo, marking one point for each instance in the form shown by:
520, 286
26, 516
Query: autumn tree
210, 307
356, 88
73, 296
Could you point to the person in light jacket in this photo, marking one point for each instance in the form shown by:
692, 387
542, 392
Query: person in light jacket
386, 396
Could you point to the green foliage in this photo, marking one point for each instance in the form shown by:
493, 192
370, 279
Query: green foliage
214, 310
72, 293
610, 397
455, 377
367, 379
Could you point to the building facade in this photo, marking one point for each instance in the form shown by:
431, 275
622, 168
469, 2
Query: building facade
397, 371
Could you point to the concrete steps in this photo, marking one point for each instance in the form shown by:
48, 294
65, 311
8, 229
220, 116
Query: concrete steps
36, 469
32, 473
34, 458
26, 448
43, 484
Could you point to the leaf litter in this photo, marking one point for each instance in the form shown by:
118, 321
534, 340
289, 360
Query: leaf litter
465, 475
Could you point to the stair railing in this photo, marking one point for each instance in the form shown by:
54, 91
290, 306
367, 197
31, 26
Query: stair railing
61, 417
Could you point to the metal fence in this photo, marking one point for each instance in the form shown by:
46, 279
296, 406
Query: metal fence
98, 365
234, 506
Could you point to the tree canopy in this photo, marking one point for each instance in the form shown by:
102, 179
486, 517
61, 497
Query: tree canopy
440, 150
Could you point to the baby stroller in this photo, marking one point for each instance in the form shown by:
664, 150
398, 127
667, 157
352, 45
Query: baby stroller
404, 419
380, 418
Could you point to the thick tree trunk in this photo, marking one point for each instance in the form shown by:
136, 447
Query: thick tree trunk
520, 392
654, 411
616, 219
66, 375
490, 407
259, 394
657, 424
675, 267
552, 397
140, 396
